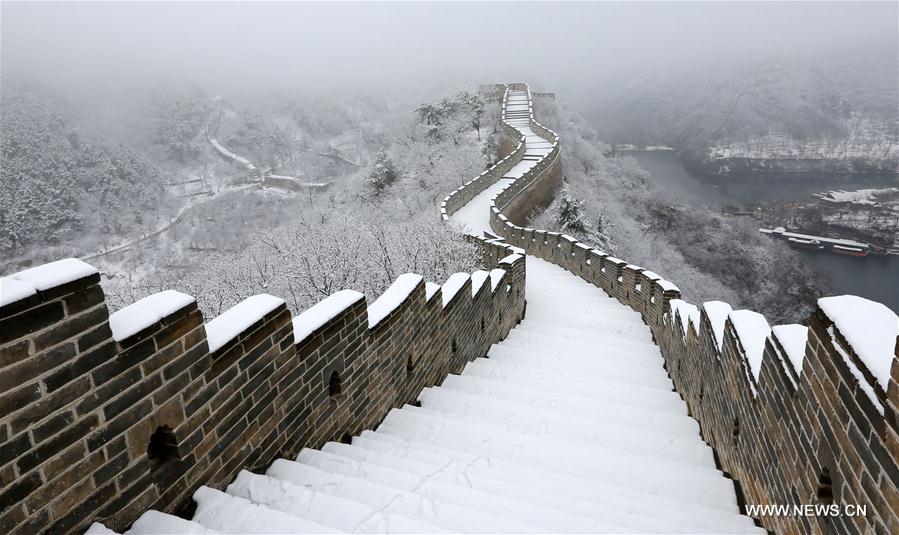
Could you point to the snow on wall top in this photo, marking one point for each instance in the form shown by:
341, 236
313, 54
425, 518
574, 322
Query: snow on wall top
667, 286
392, 297
870, 328
26, 283
477, 280
238, 318
145, 312
323, 312
12, 290
752, 330
717, 312
496, 275
99, 529
431, 290
688, 313
511, 259
453, 284
793, 339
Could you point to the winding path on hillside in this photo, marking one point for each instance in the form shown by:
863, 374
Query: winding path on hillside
570, 425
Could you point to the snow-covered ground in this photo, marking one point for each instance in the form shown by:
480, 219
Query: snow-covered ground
571, 425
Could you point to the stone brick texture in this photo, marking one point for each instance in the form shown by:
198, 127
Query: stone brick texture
809, 438
78, 409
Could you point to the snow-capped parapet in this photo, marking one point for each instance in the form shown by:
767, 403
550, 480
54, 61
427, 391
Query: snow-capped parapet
41, 278
12, 290
392, 298
99, 529
496, 275
752, 330
688, 314
145, 312
451, 287
431, 289
511, 259
239, 318
793, 339
477, 281
319, 314
870, 328
717, 312
667, 286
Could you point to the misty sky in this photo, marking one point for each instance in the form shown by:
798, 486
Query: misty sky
318, 47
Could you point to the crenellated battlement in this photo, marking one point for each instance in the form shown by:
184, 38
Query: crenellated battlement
105, 416
797, 415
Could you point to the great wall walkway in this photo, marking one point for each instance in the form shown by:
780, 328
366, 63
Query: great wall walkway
570, 424
384, 416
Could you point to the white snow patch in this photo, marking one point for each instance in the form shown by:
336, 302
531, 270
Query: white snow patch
793, 339
452, 286
55, 274
667, 286
511, 259
688, 313
228, 154
145, 312
717, 312
496, 275
869, 327
752, 330
477, 280
231, 514
12, 290
431, 290
99, 529
153, 523
392, 297
323, 312
238, 318
853, 369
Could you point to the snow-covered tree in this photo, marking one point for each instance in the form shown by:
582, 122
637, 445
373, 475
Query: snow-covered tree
380, 174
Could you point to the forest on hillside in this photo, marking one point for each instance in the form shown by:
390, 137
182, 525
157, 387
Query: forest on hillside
608, 202
842, 109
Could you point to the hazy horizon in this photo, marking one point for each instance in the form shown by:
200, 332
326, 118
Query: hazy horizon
317, 47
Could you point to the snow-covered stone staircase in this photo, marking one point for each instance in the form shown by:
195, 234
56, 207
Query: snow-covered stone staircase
570, 425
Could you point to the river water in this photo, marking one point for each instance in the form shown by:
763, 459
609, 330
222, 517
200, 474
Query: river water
872, 277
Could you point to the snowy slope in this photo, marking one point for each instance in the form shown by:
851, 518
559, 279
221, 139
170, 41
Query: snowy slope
570, 425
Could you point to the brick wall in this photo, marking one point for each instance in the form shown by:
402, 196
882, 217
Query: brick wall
100, 426
812, 435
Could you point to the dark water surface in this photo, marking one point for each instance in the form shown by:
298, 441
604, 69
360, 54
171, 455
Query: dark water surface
872, 277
